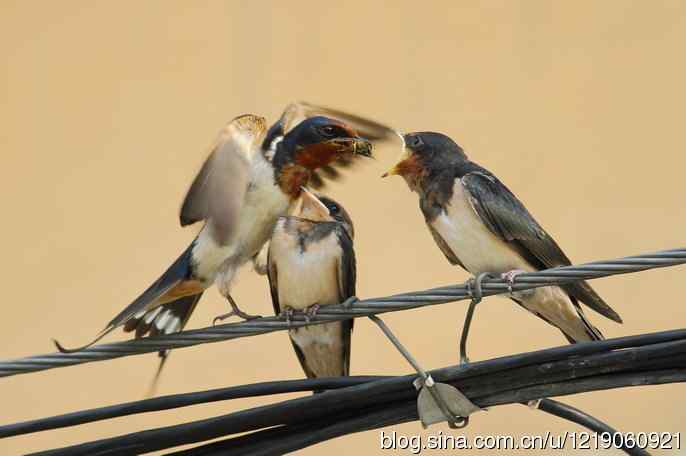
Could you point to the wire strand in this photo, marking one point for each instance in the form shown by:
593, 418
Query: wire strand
361, 308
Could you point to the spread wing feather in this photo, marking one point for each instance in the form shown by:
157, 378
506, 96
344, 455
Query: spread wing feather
217, 191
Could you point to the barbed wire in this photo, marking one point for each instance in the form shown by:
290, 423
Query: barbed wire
366, 307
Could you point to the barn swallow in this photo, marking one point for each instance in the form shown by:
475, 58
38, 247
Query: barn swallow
251, 178
311, 263
480, 225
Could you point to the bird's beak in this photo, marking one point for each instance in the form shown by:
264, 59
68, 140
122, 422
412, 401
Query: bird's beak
311, 208
397, 169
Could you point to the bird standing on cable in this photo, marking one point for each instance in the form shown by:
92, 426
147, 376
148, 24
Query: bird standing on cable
251, 178
480, 225
311, 263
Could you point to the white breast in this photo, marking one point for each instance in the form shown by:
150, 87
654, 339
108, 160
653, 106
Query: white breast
471, 241
305, 277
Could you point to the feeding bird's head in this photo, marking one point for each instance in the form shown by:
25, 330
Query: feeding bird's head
315, 143
319, 141
425, 153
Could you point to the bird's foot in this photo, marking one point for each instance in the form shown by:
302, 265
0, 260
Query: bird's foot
287, 314
234, 311
474, 286
311, 312
510, 276
238, 313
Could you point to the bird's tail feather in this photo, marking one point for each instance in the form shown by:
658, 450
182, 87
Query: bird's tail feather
179, 271
176, 273
591, 331
61, 348
165, 319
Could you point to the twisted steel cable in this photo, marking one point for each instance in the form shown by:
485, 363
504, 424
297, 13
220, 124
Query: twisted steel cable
404, 301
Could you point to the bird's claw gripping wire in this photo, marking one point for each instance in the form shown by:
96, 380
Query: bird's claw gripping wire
510, 277
311, 312
287, 314
474, 289
436, 402
234, 311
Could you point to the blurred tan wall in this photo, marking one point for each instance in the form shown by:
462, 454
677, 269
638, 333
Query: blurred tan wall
107, 109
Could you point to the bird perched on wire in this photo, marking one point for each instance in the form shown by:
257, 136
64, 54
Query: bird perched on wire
251, 178
311, 263
480, 225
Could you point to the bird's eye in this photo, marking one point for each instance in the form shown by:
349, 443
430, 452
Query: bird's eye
328, 130
333, 208
415, 142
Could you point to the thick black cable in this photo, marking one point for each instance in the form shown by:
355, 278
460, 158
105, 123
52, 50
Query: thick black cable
475, 369
570, 413
628, 367
179, 400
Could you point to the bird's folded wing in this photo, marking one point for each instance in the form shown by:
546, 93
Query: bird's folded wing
507, 218
217, 191
272, 275
347, 278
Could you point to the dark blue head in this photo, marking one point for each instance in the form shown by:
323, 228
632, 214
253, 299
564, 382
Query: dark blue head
318, 141
426, 153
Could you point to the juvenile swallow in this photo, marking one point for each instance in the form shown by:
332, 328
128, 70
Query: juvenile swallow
480, 225
311, 263
251, 178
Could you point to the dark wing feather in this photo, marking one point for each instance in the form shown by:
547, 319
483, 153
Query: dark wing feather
272, 276
507, 218
347, 278
217, 191
177, 273
445, 248
367, 128
181, 308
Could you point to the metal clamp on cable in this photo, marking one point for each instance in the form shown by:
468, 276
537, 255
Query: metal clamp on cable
436, 402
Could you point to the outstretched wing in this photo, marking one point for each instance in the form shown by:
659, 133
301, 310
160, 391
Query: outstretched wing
217, 192
507, 218
367, 128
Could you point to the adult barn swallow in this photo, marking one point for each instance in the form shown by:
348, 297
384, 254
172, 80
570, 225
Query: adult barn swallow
251, 178
479, 224
311, 263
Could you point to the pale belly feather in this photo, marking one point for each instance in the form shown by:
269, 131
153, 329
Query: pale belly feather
481, 251
306, 278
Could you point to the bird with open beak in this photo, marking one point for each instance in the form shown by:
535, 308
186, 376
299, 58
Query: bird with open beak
311, 263
480, 225
253, 176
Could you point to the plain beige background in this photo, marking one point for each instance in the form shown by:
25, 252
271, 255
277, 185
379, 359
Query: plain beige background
107, 110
